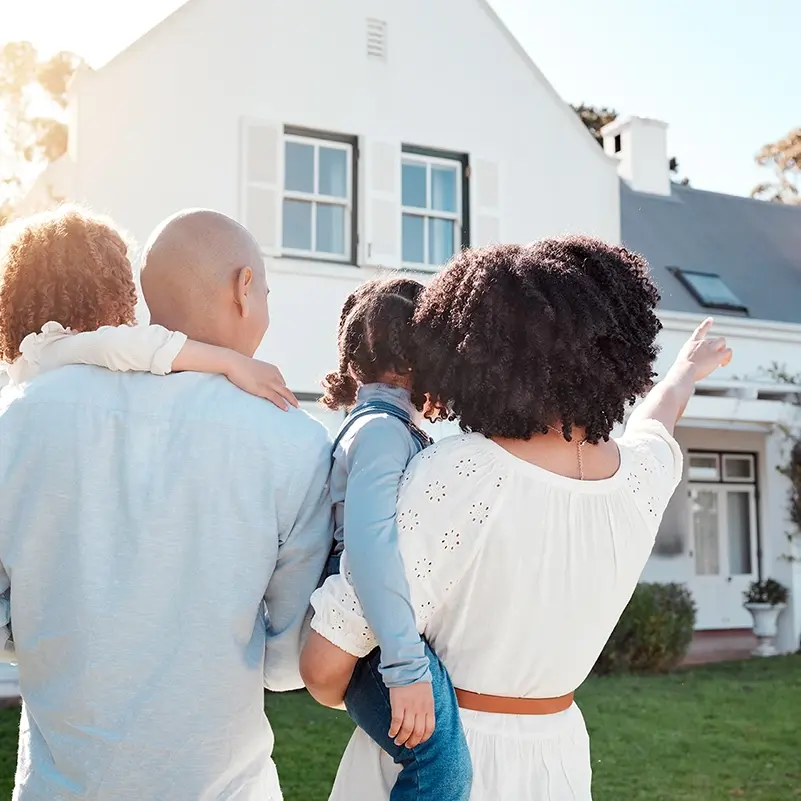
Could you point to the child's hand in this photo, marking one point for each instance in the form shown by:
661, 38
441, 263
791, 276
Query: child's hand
702, 356
412, 713
261, 379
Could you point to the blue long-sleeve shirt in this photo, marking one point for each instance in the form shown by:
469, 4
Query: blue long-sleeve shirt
145, 524
369, 464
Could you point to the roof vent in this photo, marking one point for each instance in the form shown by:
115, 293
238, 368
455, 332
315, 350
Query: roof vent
377, 39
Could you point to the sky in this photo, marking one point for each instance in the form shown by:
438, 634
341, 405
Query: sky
721, 73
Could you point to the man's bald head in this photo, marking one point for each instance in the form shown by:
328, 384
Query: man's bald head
203, 274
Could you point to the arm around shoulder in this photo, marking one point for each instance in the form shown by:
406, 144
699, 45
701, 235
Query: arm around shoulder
124, 348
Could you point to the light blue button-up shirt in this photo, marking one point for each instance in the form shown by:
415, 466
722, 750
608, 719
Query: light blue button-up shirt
144, 523
369, 464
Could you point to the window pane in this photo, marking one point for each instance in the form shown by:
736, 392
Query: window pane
299, 168
712, 290
705, 532
414, 239
414, 185
703, 467
330, 229
738, 468
738, 506
333, 172
440, 240
443, 188
297, 225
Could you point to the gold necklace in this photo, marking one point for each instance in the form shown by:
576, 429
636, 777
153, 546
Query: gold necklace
579, 446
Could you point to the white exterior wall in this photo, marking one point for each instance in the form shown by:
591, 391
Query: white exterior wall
159, 127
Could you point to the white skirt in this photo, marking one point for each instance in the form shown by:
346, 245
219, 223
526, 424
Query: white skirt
519, 757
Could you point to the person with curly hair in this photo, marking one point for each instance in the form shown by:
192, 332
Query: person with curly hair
65, 266
160, 535
400, 694
524, 538
67, 296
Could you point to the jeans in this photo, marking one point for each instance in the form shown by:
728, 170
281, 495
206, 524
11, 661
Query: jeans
436, 770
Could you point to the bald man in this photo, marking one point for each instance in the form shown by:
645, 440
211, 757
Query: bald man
162, 537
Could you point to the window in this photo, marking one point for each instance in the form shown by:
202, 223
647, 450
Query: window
724, 517
319, 195
704, 467
727, 468
710, 290
618, 144
434, 200
738, 468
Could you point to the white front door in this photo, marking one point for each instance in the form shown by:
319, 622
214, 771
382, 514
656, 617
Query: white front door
724, 552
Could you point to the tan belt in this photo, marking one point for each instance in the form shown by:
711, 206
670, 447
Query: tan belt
499, 705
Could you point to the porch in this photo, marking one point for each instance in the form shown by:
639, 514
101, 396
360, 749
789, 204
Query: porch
726, 524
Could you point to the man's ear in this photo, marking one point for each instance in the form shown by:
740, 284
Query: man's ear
243, 285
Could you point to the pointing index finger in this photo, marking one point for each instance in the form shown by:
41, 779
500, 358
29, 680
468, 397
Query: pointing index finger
702, 329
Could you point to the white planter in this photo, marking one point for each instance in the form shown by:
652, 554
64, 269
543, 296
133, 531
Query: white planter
766, 617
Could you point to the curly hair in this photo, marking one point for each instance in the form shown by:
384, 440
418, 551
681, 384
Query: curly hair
68, 266
512, 339
375, 338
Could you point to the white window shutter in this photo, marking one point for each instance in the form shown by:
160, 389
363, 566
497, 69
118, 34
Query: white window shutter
381, 183
262, 153
485, 205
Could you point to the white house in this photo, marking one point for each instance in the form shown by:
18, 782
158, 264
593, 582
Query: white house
739, 260
362, 134
346, 136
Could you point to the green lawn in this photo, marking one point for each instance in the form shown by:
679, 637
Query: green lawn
710, 734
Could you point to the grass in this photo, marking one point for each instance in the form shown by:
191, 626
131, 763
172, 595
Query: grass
710, 734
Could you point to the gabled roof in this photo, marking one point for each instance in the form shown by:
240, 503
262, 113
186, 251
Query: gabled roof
514, 42
754, 246
186, 6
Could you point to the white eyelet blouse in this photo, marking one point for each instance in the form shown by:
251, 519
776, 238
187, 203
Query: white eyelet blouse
518, 577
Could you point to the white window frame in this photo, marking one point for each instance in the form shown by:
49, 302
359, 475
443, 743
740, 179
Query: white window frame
316, 198
429, 213
704, 479
728, 479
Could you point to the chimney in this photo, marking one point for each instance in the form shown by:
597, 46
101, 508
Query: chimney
640, 146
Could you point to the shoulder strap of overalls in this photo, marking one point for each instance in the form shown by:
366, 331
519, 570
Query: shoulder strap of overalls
381, 407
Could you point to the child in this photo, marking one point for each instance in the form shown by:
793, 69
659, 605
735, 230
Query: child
372, 450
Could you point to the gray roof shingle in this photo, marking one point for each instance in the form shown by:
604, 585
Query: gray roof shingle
754, 246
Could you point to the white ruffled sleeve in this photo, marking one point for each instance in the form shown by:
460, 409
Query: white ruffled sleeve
150, 348
439, 487
655, 464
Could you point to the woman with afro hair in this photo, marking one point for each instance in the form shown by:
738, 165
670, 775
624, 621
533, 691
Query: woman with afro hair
524, 538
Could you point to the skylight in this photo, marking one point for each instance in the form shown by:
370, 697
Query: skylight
710, 290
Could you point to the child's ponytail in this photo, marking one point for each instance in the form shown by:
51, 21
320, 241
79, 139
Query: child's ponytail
375, 338
339, 388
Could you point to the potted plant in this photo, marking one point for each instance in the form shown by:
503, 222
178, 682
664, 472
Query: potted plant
765, 600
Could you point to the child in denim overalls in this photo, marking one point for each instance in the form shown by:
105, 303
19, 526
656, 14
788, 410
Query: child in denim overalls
396, 690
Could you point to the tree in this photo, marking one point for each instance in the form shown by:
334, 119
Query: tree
784, 157
33, 97
596, 117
